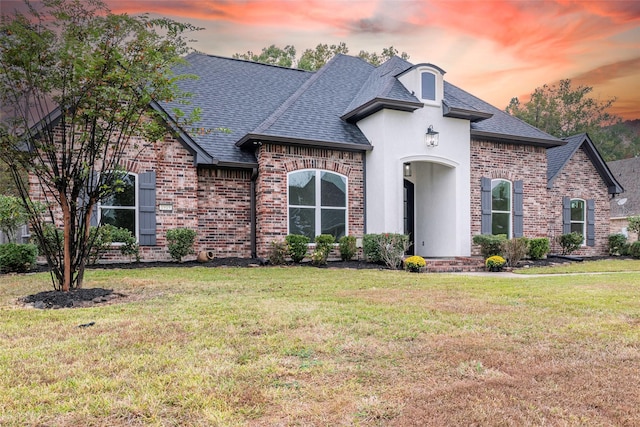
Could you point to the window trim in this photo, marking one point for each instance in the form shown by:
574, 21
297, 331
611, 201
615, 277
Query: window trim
318, 200
584, 219
135, 207
509, 212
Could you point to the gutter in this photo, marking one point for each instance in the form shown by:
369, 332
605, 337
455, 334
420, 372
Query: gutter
254, 177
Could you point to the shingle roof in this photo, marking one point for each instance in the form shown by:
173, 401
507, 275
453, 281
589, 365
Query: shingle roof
258, 102
627, 172
558, 157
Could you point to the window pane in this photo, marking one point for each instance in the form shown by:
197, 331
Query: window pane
333, 222
333, 190
577, 210
123, 218
302, 188
429, 86
124, 192
501, 196
302, 221
577, 227
500, 223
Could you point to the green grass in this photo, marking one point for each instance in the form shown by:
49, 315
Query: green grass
600, 266
307, 346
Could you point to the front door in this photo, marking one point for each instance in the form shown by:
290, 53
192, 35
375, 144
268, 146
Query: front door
408, 214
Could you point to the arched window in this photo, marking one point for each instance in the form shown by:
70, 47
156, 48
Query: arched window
428, 82
317, 202
120, 208
501, 207
578, 217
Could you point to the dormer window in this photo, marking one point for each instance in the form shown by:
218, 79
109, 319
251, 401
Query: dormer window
428, 86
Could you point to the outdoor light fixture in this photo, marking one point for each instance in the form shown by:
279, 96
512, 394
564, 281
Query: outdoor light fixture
407, 169
431, 137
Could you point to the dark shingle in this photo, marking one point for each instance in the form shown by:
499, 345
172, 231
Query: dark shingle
627, 172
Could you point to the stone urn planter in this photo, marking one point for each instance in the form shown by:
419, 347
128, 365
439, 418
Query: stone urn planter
205, 256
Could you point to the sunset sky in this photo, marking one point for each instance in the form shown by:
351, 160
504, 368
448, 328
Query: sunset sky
494, 49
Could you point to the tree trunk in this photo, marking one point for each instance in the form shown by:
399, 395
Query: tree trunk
66, 216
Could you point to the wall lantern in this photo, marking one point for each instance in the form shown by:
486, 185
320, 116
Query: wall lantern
407, 169
432, 137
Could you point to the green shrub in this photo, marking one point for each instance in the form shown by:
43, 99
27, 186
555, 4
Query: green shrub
180, 242
371, 247
489, 244
277, 253
414, 263
570, 242
324, 244
514, 250
634, 225
53, 239
348, 249
617, 243
104, 238
12, 216
538, 247
634, 249
17, 258
392, 248
297, 246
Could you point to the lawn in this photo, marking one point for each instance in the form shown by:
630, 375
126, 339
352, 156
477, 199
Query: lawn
301, 346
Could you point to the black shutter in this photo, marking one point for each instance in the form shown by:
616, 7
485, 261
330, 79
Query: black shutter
147, 208
518, 209
485, 204
591, 222
566, 215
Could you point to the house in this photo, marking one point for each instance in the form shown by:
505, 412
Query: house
627, 204
354, 149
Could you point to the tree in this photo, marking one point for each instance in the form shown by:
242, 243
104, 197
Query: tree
563, 110
12, 216
271, 55
77, 83
314, 59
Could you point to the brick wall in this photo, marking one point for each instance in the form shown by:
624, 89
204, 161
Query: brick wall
275, 161
512, 162
580, 180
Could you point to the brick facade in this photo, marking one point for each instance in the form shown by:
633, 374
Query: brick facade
275, 161
512, 162
579, 179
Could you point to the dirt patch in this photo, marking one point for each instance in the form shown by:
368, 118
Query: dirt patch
73, 299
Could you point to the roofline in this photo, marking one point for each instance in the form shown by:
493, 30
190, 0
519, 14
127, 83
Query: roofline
422, 64
512, 139
200, 156
463, 113
251, 139
231, 165
377, 104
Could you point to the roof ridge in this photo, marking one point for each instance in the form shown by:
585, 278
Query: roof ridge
228, 58
266, 123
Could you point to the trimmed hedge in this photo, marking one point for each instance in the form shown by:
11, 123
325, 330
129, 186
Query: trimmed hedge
17, 258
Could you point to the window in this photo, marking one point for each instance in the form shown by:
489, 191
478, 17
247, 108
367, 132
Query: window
120, 208
578, 217
429, 86
317, 203
501, 207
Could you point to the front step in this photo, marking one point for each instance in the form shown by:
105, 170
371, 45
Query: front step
454, 265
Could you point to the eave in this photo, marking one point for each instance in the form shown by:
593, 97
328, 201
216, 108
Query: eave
251, 141
377, 104
461, 113
512, 139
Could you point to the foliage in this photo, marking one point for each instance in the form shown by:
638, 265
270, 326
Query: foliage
371, 248
324, 244
105, 236
414, 263
392, 248
180, 242
298, 245
12, 216
97, 74
514, 250
17, 258
277, 253
634, 249
495, 262
314, 59
634, 225
617, 243
50, 239
570, 242
538, 247
347, 246
490, 244
563, 110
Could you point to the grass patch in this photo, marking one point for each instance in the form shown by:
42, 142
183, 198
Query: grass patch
306, 346
599, 266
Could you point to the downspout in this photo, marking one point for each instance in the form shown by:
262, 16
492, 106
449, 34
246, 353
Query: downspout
364, 189
254, 177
